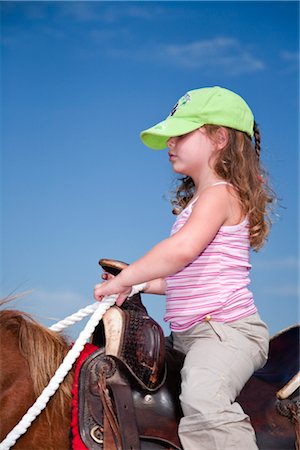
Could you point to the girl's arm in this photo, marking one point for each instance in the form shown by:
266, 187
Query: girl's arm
157, 286
172, 254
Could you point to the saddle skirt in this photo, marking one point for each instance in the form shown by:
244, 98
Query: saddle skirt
129, 388
152, 414
138, 341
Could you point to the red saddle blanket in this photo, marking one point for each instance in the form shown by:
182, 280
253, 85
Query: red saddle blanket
77, 443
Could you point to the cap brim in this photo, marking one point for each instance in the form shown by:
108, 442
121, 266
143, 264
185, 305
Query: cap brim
156, 137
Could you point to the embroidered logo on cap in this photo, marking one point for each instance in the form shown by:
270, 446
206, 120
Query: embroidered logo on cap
181, 102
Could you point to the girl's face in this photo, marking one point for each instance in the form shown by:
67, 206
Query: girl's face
191, 153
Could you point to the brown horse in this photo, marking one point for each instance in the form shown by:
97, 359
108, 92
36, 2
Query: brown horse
30, 354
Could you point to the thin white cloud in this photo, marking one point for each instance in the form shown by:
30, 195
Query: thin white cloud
290, 61
52, 32
49, 307
284, 263
53, 305
34, 11
219, 53
285, 290
64, 297
290, 56
113, 14
9, 41
80, 11
106, 13
102, 36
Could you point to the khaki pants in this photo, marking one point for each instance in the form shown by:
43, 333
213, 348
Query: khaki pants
220, 358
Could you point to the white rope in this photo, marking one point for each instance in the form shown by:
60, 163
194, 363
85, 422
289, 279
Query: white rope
87, 311
76, 317
62, 371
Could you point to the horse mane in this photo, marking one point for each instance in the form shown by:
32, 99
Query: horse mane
43, 350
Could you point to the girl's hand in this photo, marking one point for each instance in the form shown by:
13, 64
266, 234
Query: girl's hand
111, 286
107, 276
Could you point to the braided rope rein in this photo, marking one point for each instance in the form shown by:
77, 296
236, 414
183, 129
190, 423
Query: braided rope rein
97, 310
74, 318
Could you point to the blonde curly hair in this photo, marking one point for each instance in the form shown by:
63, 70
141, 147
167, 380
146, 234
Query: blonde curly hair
239, 164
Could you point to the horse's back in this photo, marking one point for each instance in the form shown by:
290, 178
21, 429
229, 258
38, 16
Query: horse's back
272, 418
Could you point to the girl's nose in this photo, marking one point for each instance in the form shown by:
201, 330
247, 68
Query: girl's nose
171, 142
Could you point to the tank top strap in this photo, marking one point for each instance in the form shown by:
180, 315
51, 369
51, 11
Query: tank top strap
193, 201
219, 182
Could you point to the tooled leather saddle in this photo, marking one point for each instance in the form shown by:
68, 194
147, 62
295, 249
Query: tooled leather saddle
127, 387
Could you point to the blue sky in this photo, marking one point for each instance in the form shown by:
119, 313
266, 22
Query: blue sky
80, 80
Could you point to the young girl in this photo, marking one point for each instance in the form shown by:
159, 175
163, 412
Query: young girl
203, 267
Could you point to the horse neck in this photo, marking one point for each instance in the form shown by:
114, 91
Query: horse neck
41, 349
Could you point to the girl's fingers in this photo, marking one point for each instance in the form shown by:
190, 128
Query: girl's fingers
97, 295
121, 299
107, 276
109, 287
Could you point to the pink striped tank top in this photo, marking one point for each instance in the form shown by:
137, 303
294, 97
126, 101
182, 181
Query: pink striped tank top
214, 285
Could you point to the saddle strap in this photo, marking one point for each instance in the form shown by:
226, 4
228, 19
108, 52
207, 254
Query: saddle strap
290, 409
112, 438
109, 442
123, 401
296, 420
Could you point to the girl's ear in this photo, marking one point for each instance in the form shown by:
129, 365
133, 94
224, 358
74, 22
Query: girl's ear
221, 137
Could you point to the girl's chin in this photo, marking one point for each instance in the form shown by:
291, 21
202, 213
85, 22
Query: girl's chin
179, 170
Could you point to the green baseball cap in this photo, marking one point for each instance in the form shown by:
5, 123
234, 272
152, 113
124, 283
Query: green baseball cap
205, 106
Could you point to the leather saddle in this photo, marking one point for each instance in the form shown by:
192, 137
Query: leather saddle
127, 388
271, 396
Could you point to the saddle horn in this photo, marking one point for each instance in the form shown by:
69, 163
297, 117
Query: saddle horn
112, 266
132, 336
